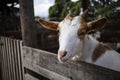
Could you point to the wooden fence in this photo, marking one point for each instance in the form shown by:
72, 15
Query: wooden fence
46, 64
11, 60
18, 61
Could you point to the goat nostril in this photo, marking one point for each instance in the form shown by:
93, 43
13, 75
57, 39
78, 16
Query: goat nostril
62, 53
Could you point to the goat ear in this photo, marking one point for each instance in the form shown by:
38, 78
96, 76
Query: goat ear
97, 24
48, 24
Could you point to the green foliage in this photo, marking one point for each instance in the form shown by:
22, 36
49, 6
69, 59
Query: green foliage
97, 7
61, 7
108, 9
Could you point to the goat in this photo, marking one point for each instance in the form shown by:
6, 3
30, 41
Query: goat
75, 43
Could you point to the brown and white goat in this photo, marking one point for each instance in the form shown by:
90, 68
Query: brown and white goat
76, 44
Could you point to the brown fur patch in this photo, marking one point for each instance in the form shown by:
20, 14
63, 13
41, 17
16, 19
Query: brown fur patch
82, 31
99, 51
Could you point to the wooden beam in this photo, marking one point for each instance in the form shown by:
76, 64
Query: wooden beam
28, 25
46, 64
44, 72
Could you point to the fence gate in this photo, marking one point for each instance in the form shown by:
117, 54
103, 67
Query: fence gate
10, 58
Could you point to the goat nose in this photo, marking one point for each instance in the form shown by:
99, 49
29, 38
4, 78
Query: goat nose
62, 53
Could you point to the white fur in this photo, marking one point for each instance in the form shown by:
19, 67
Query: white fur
110, 59
89, 45
83, 49
68, 38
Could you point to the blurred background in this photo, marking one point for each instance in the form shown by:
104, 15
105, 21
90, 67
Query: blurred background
56, 10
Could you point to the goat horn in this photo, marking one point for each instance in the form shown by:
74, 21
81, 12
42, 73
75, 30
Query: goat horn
69, 14
82, 16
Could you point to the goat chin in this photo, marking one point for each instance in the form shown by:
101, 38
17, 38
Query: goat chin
76, 58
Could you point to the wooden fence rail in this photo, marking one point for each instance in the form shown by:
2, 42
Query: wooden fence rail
11, 60
46, 64
18, 60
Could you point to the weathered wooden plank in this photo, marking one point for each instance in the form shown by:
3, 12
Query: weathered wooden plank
34, 74
11, 61
8, 58
1, 51
38, 60
20, 69
29, 77
21, 60
44, 72
5, 77
2, 57
3, 62
18, 57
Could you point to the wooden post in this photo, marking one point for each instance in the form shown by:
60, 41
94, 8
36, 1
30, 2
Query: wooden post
28, 26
